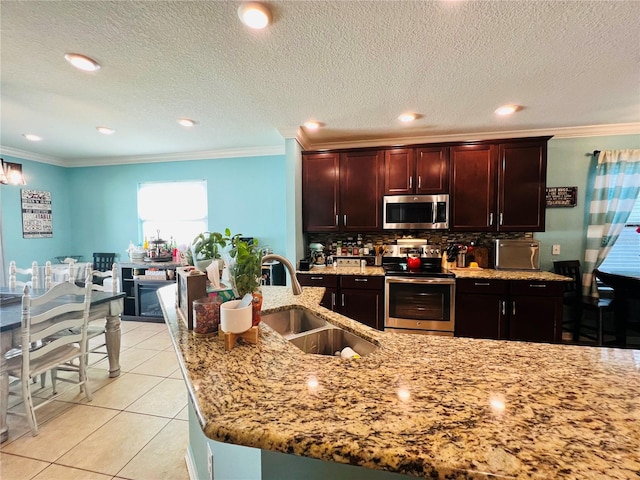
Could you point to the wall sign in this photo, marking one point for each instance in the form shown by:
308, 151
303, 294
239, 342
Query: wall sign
36, 214
562, 196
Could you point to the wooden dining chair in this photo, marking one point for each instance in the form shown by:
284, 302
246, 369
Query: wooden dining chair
28, 276
39, 326
578, 304
104, 282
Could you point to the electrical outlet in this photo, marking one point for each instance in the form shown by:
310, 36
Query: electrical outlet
210, 461
555, 250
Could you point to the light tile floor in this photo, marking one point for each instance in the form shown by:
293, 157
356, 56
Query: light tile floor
134, 428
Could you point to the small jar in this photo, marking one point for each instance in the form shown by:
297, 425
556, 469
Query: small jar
206, 316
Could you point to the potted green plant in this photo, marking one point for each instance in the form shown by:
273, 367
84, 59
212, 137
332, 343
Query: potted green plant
206, 248
246, 266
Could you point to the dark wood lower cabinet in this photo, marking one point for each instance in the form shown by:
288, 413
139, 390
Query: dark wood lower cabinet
514, 310
358, 297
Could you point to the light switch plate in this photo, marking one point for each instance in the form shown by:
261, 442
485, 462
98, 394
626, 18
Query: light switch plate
555, 250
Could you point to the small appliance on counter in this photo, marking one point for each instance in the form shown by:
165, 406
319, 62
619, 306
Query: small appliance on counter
520, 254
317, 255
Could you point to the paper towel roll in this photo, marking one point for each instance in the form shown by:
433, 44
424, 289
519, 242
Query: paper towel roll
348, 352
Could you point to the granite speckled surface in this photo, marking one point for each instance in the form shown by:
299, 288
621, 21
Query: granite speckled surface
458, 272
425, 406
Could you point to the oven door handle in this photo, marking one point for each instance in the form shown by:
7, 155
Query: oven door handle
421, 280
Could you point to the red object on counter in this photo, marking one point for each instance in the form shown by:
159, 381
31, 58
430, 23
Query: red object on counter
413, 262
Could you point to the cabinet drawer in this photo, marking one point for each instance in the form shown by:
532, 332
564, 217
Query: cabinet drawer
537, 288
482, 285
318, 280
362, 281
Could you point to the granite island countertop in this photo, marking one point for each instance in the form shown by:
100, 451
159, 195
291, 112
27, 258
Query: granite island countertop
425, 406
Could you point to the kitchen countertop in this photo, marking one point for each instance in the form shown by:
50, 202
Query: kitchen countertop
420, 405
487, 273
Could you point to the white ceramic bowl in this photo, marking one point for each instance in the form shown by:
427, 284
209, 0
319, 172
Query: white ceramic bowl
235, 320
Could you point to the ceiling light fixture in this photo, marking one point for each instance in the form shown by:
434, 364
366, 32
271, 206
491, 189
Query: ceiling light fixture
11, 173
407, 117
311, 125
106, 130
254, 15
31, 137
506, 109
186, 122
82, 62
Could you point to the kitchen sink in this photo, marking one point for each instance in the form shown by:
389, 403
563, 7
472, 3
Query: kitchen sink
292, 321
331, 340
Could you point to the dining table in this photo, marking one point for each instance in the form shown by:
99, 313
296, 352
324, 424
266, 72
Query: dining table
105, 306
626, 299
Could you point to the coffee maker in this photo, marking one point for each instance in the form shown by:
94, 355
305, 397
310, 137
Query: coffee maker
317, 255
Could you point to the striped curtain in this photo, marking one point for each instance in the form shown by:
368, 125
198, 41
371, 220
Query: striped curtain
616, 188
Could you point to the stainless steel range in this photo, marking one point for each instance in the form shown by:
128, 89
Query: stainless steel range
419, 292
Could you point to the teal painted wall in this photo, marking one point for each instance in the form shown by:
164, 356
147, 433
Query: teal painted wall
570, 163
39, 176
95, 208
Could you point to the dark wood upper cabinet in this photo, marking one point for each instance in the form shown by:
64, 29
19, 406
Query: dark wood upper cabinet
416, 170
473, 187
342, 191
499, 186
320, 192
522, 173
361, 191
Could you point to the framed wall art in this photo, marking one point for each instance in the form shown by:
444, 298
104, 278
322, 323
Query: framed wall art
36, 214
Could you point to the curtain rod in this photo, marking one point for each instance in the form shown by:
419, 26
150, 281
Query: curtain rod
596, 152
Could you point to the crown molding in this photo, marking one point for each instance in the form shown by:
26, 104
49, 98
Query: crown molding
297, 133
560, 132
36, 157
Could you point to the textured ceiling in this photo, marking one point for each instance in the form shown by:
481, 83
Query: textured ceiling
354, 66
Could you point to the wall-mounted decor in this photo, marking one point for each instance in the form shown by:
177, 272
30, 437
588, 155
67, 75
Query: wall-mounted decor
36, 214
562, 196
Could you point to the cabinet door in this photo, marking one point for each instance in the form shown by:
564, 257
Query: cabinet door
522, 173
535, 319
361, 191
399, 168
364, 306
473, 188
320, 183
432, 171
330, 282
480, 316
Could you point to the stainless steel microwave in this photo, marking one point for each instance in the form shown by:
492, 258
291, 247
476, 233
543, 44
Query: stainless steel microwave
416, 212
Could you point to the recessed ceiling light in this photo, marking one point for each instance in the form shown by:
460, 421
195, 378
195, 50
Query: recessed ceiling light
31, 137
407, 117
106, 130
311, 125
254, 15
506, 109
82, 62
186, 122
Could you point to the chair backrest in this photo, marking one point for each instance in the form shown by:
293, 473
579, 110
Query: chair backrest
30, 275
64, 306
570, 268
103, 261
103, 281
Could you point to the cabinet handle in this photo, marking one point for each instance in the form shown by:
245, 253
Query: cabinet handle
419, 181
377, 311
333, 301
337, 221
345, 220
513, 308
317, 278
537, 286
342, 299
481, 284
410, 183
491, 219
504, 307
360, 280
500, 218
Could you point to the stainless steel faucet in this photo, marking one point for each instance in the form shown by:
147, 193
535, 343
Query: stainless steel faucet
295, 285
